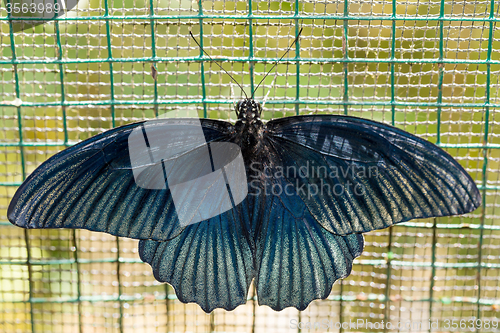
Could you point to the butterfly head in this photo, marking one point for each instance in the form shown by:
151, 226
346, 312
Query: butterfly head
248, 110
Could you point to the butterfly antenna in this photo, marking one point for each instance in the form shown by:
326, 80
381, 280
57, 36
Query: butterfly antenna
265, 98
276, 63
208, 55
234, 102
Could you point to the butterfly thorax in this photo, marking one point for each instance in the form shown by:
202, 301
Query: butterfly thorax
249, 126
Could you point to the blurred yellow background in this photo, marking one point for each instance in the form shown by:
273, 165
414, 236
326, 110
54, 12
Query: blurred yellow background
429, 67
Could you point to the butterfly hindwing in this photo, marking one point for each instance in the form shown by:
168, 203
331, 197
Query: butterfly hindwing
209, 263
297, 259
92, 186
368, 175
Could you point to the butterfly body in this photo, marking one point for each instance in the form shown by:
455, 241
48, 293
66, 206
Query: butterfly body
313, 185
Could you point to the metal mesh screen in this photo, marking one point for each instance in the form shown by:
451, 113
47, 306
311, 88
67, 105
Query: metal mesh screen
429, 67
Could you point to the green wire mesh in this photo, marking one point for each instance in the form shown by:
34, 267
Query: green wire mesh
429, 67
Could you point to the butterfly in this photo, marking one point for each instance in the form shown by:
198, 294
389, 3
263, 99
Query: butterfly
313, 185
217, 205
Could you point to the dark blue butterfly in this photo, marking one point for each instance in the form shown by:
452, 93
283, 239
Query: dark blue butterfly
314, 184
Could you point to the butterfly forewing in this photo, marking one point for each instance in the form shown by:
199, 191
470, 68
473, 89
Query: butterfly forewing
92, 184
359, 175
